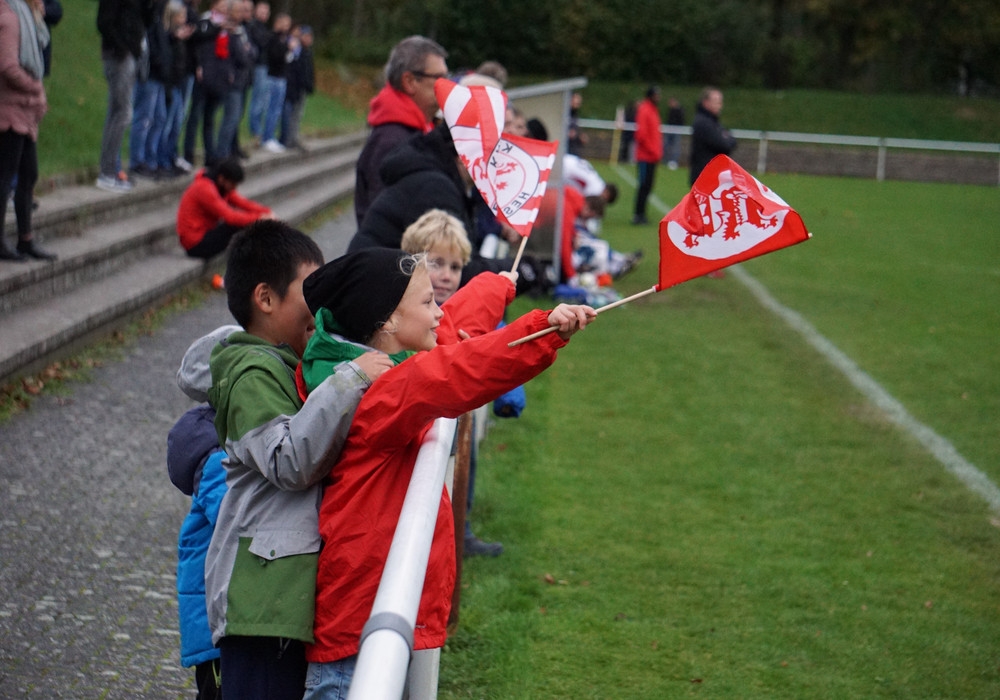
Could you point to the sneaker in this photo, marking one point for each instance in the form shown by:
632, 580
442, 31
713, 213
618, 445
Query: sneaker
475, 547
183, 164
639, 220
272, 146
142, 170
114, 184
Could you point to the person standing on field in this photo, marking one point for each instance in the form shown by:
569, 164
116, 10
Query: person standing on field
708, 138
648, 149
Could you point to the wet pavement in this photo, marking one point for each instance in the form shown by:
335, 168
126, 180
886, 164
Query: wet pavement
89, 523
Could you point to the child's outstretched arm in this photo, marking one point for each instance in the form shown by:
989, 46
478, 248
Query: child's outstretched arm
570, 318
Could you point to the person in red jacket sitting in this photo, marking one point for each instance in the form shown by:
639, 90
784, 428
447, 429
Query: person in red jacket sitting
211, 211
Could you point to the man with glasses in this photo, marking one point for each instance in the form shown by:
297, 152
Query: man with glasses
405, 106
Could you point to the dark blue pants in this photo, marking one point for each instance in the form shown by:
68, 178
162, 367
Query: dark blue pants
263, 668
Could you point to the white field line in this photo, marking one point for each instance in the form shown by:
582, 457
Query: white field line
892, 409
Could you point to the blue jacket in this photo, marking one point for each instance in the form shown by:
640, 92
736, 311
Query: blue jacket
187, 454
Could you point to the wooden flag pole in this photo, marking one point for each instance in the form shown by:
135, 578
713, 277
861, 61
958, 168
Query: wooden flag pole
551, 329
520, 252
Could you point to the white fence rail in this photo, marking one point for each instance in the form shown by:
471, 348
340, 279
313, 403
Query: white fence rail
883, 144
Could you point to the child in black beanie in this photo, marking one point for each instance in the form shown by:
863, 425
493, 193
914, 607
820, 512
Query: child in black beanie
383, 299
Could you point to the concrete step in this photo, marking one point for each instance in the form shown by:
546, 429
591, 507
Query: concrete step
104, 247
114, 270
68, 211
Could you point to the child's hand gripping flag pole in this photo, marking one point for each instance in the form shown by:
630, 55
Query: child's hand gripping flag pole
509, 171
727, 217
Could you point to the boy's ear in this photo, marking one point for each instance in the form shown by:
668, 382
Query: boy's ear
264, 298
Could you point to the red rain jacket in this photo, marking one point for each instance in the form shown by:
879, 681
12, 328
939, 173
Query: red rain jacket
364, 493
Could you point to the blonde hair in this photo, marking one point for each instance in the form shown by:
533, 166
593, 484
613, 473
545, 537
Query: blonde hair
437, 227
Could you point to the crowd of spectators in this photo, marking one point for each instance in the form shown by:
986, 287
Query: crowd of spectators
176, 74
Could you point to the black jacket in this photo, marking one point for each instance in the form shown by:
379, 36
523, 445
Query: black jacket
708, 139
301, 76
122, 24
420, 174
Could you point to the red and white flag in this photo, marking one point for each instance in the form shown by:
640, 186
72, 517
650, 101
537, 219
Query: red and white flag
509, 171
728, 216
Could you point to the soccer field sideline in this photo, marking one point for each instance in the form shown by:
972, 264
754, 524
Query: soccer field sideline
894, 411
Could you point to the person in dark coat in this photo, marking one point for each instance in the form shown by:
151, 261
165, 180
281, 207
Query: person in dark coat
425, 173
301, 83
708, 138
404, 107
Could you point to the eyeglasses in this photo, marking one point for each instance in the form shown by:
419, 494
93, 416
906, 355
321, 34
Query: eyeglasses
435, 76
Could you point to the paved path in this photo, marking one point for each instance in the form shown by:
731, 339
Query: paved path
89, 521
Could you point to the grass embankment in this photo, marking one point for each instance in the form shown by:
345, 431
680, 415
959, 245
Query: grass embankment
696, 503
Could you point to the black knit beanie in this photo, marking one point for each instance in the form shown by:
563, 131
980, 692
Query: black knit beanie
361, 289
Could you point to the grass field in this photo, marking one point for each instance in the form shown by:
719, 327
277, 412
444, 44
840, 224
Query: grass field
695, 503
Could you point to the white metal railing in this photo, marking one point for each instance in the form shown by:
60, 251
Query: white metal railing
387, 639
883, 144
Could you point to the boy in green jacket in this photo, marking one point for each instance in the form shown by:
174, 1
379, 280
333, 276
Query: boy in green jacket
260, 572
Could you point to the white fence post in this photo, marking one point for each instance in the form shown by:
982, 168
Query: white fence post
762, 154
387, 639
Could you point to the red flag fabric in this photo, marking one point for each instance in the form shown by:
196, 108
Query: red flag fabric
509, 171
728, 216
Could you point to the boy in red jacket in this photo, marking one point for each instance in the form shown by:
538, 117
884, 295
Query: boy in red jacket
211, 211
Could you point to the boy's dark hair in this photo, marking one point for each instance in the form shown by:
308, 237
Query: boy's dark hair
229, 168
268, 252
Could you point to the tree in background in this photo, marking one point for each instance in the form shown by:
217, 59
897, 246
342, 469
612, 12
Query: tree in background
907, 45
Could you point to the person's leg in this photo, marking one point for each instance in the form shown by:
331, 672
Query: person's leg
27, 176
643, 170
330, 681
194, 120
276, 92
473, 546
166, 150
244, 102
11, 144
285, 124
258, 100
157, 127
211, 107
215, 241
209, 680
120, 75
294, 122
231, 106
143, 104
262, 667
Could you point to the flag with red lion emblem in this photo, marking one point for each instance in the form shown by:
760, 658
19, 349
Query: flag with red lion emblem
509, 171
728, 216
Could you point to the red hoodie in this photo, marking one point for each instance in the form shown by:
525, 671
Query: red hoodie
203, 208
390, 106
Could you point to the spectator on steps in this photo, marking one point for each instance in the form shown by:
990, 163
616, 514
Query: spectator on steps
23, 35
122, 25
211, 211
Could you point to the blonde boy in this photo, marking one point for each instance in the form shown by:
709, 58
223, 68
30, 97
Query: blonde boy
443, 237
